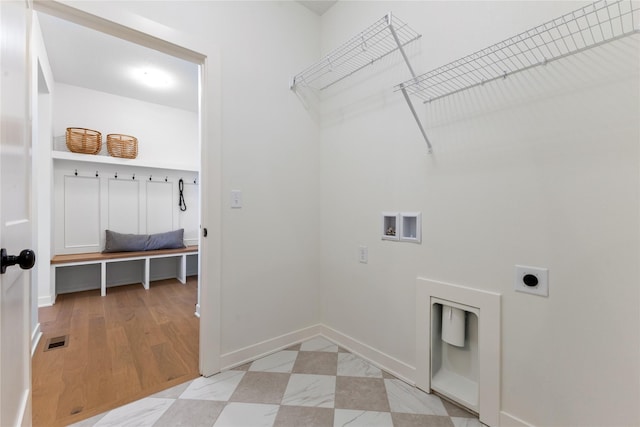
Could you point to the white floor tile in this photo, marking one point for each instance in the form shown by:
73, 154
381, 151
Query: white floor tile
350, 365
247, 414
351, 418
408, 399
319, 344
218, 387
173, 392
141, 413
281, 361
310, 390
89, 422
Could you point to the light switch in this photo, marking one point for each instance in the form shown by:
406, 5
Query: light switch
236, 199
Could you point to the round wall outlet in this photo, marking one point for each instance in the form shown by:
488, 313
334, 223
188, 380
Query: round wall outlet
531, 280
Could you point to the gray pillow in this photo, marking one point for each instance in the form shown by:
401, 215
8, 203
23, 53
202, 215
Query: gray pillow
169, 240
118, 242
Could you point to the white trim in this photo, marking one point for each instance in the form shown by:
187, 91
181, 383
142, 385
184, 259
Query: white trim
382, 360
46, 301
508, 420
267, 347
126, 25
35, 338
253, 352
25, 409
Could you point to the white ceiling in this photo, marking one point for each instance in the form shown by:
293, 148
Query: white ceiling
87, 58
318, 6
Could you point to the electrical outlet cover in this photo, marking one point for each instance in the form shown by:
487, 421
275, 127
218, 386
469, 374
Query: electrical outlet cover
363, 254
532, 280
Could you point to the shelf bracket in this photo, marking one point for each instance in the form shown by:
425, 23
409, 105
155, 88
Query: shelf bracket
402, 88
415, 116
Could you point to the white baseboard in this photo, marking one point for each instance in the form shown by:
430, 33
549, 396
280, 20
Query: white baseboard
35, 338
388, 363
46, 301
383, 361
508, 420
264, 348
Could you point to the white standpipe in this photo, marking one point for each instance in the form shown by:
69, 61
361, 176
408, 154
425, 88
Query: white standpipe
453, 325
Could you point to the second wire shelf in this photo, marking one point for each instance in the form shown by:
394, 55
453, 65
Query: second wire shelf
582, 29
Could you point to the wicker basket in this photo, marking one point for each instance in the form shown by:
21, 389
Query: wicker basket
124, 146
85, 141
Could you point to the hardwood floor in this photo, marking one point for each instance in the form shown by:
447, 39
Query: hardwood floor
121, 347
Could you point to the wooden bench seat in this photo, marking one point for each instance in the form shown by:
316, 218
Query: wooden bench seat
68, 260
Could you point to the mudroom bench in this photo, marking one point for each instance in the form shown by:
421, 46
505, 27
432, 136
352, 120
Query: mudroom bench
69, 260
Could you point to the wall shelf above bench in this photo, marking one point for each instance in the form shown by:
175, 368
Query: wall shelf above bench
108, 160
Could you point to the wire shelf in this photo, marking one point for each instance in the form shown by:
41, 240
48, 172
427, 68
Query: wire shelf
590, 26
369, 46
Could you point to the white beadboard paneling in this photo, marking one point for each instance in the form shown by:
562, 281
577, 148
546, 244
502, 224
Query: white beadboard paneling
160, 207
81, 212
189, 219
124, 206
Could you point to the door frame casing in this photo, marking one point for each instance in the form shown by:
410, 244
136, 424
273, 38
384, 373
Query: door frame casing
117, 22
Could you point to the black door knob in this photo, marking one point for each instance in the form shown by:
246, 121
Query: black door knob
25, 260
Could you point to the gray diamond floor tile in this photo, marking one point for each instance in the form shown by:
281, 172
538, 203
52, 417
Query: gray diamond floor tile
261, 387
316, 362
367, 394
296, 416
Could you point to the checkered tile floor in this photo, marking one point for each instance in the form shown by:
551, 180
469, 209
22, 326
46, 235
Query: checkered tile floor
315, 383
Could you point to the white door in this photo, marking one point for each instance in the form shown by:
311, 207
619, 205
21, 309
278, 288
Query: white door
15, 227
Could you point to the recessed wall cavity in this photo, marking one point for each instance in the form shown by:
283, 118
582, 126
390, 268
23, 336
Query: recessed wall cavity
460, 360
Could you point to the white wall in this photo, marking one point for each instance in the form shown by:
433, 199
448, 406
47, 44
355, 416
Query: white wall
270, 247
166, 136
540, 169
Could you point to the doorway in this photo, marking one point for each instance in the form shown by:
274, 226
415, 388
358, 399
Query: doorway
209, 331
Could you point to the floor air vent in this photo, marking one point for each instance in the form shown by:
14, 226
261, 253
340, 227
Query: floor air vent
56, 342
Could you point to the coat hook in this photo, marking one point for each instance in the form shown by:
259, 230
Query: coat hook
166, 178
194, 180
149, 177
116, 175
134, 176
76, 172
96, 174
